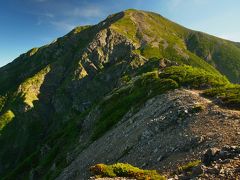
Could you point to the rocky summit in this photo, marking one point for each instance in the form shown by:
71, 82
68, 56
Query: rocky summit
136, 96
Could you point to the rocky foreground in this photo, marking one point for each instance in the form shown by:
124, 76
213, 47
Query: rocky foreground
168, 132
215, 164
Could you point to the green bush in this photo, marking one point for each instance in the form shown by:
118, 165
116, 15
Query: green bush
125, 170
197, 108
229, 95
194, 77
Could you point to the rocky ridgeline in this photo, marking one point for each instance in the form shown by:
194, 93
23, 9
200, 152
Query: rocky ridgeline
216, 164
167, 132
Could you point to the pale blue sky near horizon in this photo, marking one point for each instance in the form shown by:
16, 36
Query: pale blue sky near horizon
32, 23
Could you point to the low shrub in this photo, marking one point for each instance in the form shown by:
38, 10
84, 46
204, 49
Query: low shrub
194, 77
197, 108
188, 167
229, 95
125, 170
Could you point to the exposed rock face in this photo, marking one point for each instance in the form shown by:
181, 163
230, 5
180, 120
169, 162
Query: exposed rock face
163, 134
107, 49
163, 63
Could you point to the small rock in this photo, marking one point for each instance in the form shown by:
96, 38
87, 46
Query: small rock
234, 147
155, 150
219, 161
221, 171
176, 177
237, 170
213, 170
206, 175
222, 175
159, 158
225, 161
143, 165
198, 170
209, 155
226, 148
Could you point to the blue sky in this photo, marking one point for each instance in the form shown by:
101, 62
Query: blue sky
25, 24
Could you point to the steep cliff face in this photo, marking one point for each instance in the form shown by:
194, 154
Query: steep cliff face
56, 100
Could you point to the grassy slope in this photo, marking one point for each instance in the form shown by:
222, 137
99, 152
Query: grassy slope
222, 54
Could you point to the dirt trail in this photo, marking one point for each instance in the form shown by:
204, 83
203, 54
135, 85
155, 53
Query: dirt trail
198, 93
210, 101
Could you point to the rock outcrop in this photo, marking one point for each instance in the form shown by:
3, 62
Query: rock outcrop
216, 163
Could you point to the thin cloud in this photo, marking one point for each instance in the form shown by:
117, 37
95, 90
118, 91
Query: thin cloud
43, 18
49, 15
176, 3
66, 16
62, 25
88, 12
40, 1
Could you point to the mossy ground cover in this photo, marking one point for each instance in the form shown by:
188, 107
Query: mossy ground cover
125, 170
5, 118
189, 166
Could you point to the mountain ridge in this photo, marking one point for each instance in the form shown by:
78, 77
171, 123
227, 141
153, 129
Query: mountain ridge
47, 94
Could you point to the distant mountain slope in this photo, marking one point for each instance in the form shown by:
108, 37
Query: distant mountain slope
222, 54
47, 93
